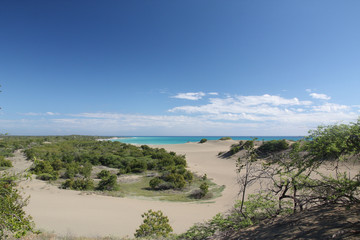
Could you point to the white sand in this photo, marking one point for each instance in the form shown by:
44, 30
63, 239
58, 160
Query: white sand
65, 211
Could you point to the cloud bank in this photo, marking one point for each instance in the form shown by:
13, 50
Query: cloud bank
254, 115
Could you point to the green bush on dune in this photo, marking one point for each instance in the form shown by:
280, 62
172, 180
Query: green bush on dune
225, 138
5, 162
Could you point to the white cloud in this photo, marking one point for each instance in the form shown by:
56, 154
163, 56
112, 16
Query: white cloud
330, 107
271, 99
190, 95
39, 114
320, 96
265, 104
213, 93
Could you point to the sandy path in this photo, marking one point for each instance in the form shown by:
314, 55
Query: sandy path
65, 211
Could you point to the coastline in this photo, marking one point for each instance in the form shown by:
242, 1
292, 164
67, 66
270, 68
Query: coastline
169, 140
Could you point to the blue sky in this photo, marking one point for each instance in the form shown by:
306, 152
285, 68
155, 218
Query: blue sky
250, 67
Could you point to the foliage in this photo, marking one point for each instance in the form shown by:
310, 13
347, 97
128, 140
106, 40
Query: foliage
204, 188
46, 177
155, 224
13, 220
155, 182
82, 184
108, 184
225, 138
256, 208
273, 146
75, 155
175, 178
333, 141
86, 169
45, 171
204, 177
203, 140
289, 181
5, 162
103, 174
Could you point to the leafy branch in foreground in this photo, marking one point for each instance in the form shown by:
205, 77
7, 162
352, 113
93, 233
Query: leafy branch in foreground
13, 220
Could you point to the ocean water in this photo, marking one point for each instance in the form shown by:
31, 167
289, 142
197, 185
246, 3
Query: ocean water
184, 139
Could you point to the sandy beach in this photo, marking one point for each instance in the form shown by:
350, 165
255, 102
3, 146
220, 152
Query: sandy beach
72, 212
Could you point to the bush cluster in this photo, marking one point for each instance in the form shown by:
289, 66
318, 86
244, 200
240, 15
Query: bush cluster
225, 138
73, 154
73, 160
175, 178
82, 184
272, 146
5, 162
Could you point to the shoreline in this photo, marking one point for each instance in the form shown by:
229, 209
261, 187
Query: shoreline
171, 140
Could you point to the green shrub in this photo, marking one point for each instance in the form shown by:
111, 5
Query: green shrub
203, 140
155, 225
188, 176
57, 164
71, 170
103, 174
225, 138
47, 176
204, 187
176, 179
86, 169
108, 184
235, 149
67, 184
42, 167
13, 220
5, 162
84, 184
273, 146
155, 182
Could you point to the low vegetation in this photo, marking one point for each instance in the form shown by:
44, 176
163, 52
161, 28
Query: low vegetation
203, 140
5, 163
75, 162
155, 225
14, 222
225, 138
271, 147
290, 180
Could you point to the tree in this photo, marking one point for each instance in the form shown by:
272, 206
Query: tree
155, 224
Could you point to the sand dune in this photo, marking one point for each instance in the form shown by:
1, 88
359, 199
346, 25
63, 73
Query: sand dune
77, 213
65, 211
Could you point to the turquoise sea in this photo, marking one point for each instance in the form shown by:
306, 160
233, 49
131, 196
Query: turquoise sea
184, 139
